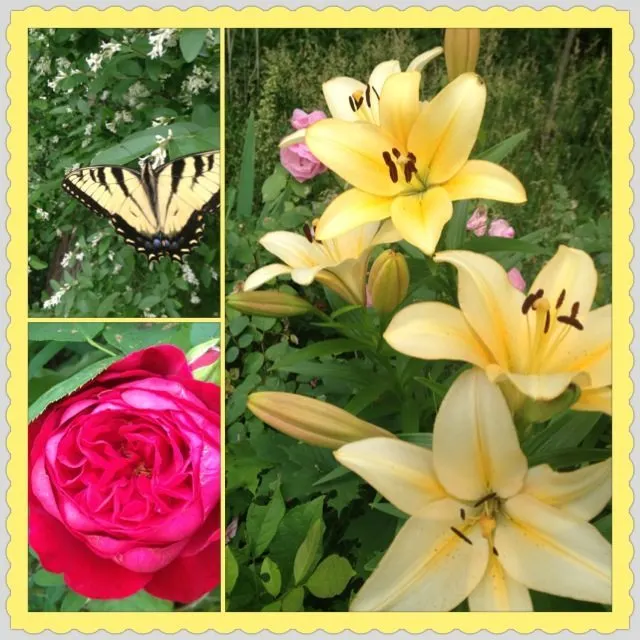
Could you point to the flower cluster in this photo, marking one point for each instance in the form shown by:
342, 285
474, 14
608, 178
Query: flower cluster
484, 525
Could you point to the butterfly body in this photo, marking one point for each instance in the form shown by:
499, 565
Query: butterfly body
160, 212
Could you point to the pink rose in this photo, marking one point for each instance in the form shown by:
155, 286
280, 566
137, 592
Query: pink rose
125, 481
298, 160
516, 279
301, 120
478, 221
501, 229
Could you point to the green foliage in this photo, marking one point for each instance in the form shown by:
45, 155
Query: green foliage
112, 96
327, 529
63, 357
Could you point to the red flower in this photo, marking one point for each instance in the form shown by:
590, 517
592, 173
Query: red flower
125, 481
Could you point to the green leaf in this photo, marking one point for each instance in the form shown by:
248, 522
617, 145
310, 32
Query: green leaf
332, 476
36, 264
330, 577
605, 526
68, 332
230, 570
244, 203
564, 432
488, 244
107, 304
270, 576
141, 601
73, 602
456, 227
204, 115
68, 386
294, 600
500, 151
389, 509
45, 578
316, 350
238, 325
569, 457
309, 552
191, 41
274, 185
263, 521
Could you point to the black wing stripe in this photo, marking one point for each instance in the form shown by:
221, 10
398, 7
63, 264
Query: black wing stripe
102, 179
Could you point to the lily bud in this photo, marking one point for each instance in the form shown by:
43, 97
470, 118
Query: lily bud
274, 304
310, 420
388, 281
204, 361
461, 47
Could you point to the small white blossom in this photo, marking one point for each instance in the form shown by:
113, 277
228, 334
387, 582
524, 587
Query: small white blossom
195, 299
160, 41
89, 128
134, 95
161, 121
147, 313
55, 299
94, 62
80, 256
66, 259
117, 268
43, 66
111, 255
95, 238
55, 139
41, 214
214, 274
201, 78
104, 95
188, 275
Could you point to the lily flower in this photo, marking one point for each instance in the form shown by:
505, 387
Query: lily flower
414, 165
482, 525
350, 100
535, 344
340, 263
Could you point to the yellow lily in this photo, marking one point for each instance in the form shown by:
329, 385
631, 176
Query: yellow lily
339, 263
350, 100
414, 165
536, 344
310, 420
482, 525
461, 48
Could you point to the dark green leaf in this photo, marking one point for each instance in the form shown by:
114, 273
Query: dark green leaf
191, 41
68, 332
309, 552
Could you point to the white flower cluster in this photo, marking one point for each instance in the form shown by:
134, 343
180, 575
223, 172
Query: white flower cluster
41, 214
160, 41
55, 299
161, 121
201, 78
133, 97
43, 66
159, 154
95, 238
188, 276
63, 70
107, 51
118, 117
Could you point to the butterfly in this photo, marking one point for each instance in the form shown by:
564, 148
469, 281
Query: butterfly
161, 212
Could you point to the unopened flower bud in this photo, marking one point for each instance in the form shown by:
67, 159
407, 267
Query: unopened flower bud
461, 47
204, 361
388, 281
274, 304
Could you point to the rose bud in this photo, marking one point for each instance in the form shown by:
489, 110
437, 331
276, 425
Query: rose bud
124, 481
275, 304
461, 48
388, 281
204, 361
478, 221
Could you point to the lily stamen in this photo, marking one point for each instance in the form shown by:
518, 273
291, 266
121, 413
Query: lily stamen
489, 496
461, 535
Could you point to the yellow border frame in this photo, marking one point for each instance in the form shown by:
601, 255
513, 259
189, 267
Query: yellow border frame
497, 17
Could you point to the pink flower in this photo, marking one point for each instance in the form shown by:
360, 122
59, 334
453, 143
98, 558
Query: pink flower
478, 221
501, 229
300, 162
301, 120
516, 279
124, 481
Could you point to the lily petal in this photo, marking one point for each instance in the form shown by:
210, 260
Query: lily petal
354, 150
446, 130
402, 472
293, 249
583, 493
544, 386
497, 591
587, 350
420, 218
492, 306
572, 271
353, 274
400, 105
386, 233
264, 274
305, 275
552, 551
381, 73
337, 92
486, 180
474, 431
435, 331
427, 567
293, 138
350, 210
421, 61
594, 400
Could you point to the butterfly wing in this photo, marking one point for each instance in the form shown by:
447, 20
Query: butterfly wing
118, 194
187, 190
